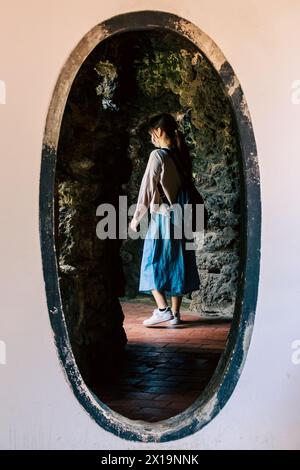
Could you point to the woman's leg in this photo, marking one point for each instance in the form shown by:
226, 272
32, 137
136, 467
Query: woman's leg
160, 298
176, 302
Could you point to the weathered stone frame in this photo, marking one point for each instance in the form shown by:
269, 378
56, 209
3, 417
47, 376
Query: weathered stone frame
225, 378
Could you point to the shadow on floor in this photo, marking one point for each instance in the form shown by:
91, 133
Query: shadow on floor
164, 368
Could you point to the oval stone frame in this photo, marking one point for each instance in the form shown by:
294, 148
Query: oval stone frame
230, 366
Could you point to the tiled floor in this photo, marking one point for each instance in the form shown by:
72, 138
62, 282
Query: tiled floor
165, 367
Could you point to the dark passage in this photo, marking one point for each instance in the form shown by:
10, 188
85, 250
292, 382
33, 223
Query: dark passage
102, 153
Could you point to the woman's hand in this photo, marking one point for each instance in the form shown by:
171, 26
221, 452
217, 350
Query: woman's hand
133, 225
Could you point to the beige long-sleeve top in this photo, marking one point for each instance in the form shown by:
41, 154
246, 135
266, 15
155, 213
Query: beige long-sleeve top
160, 168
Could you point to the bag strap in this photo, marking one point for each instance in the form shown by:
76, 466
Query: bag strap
185, 181
159, 186
194, 193
179, 167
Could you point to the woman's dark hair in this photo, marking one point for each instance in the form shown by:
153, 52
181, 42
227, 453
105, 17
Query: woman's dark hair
168, 123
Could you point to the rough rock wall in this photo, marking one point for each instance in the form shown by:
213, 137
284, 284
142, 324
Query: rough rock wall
172, 76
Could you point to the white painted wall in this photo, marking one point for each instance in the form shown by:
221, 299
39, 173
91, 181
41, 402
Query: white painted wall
261, 41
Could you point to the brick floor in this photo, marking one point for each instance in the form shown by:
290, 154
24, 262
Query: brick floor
165, 367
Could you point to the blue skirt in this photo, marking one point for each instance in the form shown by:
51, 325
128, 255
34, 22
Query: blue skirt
167, 264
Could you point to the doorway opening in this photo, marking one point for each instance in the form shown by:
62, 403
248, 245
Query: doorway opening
95, 149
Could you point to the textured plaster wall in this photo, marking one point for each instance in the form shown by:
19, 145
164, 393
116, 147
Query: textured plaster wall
260, 41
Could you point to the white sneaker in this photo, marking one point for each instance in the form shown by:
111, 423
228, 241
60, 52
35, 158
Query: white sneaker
158, 317
175, 319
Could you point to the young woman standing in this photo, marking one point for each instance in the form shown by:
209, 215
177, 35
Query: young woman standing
168, 268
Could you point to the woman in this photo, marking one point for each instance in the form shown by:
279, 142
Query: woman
168, 268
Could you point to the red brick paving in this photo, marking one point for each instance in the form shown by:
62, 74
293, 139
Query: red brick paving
166, 367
